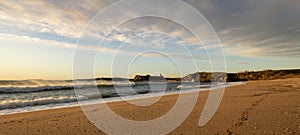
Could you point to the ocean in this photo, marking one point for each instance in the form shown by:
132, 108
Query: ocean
33, 95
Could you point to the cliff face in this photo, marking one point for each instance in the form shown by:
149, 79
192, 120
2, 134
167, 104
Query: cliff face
206, 77
242, 76
267, 74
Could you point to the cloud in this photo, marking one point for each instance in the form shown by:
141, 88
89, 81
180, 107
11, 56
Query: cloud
246, 28
44, 17
254, 27
60, 18
67, 20
102, 49
155, 33
51, 43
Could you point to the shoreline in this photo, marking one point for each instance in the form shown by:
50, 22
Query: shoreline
258, 107
111, 100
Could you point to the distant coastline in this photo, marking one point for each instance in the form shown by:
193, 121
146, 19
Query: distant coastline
220, 76
243, 76
268, 74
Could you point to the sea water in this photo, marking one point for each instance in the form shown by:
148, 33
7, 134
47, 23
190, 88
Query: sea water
32, 95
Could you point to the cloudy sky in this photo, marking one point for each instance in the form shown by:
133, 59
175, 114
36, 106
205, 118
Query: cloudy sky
38, 38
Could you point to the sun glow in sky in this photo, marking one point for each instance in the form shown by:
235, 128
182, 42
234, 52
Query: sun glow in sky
38, 38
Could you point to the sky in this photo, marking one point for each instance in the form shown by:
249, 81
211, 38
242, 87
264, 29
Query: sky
41, 39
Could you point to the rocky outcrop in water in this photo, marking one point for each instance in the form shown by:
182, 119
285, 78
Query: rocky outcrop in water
139, 78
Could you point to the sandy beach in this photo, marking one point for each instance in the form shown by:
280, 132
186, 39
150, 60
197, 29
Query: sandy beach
257, 107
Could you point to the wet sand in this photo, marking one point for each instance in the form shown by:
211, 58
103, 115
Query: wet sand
258, 107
